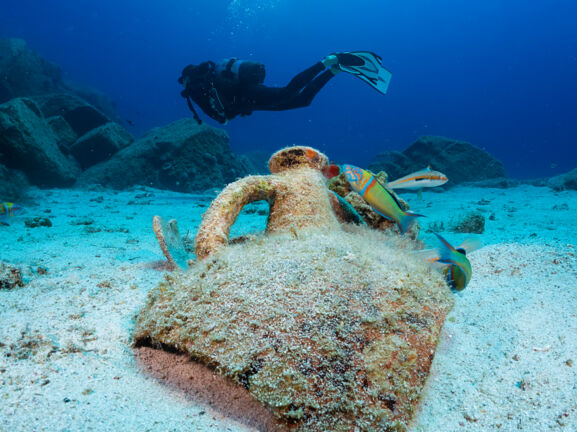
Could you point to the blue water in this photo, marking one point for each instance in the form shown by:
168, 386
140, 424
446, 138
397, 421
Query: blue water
497, 73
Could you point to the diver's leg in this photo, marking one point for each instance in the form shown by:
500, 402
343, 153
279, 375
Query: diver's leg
298, 93
302, 79
306, 96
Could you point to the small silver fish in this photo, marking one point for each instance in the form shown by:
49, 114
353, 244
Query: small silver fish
420, 179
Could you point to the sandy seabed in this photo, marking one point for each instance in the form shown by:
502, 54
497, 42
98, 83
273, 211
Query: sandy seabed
506, 360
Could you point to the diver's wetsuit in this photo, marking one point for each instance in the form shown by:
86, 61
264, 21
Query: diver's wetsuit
228, 98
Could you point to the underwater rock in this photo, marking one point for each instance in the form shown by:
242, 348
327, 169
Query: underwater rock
28, 144
100, 144
330, 331
13, 184
25, 73
37, 222
472, 223
257, 161
395, 163
64, 133
459, 160
497, 183
567, 181
80, 115
10, 276
96, 98
183, 156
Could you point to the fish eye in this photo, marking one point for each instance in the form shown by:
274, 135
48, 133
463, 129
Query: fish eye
461, 250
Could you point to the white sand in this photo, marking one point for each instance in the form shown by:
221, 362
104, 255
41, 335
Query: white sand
504, 362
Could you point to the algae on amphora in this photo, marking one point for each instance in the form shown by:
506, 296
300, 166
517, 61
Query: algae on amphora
332, 329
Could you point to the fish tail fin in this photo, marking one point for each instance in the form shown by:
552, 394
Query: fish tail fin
429, 255
446, 247
471, 244
407, 221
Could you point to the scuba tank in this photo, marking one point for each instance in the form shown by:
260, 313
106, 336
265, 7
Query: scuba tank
242, 71
199, 80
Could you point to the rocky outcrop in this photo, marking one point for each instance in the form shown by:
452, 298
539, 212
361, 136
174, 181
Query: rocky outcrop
100, 144
24, 73
257, 160
59, 129
459, 160
395, 164
29, 144
13, 184
52, 138
497, 183
18, 61
567, 181
473, 222
46, 124
96, 98
63, 131
183, 156
79, 114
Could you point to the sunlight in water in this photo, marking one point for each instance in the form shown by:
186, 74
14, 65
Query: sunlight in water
247, 15
251, 7
246, 9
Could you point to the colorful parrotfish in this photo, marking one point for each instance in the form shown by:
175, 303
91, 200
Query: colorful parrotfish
378, 197
8, 209
455, 264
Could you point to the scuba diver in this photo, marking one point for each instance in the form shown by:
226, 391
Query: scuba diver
235, 87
